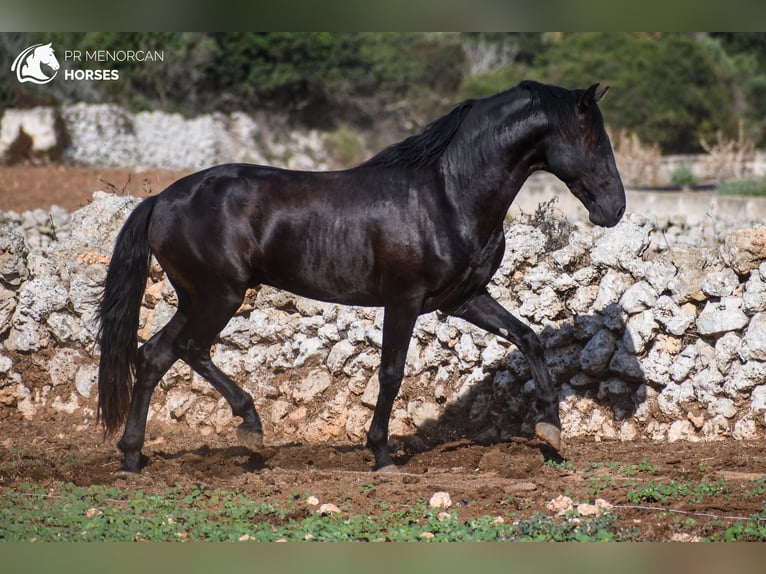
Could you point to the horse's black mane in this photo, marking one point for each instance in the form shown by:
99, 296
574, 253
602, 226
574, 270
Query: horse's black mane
425, 148
556, 101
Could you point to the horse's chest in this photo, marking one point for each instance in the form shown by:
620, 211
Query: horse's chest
471, 277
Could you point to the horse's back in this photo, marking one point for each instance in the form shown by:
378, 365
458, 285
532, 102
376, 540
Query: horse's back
361, 236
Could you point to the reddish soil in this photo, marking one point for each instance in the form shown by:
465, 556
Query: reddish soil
30, 187
503, 479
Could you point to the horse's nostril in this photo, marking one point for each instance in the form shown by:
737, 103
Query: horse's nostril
621, 212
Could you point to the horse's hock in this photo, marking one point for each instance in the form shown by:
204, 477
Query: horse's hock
646, 335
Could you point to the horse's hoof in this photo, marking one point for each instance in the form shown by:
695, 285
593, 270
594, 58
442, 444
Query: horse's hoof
389, 468
550, 434
250, 439
127, 474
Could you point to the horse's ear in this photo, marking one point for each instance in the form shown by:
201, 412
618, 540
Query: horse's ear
589, 97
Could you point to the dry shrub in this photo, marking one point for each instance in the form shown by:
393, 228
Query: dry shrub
729, 159
552, 222
637, 162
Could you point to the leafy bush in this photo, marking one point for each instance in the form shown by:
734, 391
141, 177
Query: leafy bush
667, 88
683, 175
345, 146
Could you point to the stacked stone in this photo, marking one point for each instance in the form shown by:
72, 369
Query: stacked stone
107, 135
643, 338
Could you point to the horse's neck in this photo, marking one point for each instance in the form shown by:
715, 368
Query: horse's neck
489, 177
32, 65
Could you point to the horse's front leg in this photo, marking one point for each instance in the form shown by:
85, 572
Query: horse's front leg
398, 322
483, 311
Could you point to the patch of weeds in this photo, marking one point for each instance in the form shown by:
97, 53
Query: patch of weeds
646, 468
98, 513
563, 465
658, 492
748, 188
599, 483
101, 513
752, 530
544, 528
624, 469
758, 488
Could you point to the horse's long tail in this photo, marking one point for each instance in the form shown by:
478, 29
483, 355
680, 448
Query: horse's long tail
118, 315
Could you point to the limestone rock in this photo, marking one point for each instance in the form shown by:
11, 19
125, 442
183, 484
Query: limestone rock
619, 246
595, 356
720, 283
744, 249
721, 317
638, 297
13, 254
755, 339
638, 332
440, 499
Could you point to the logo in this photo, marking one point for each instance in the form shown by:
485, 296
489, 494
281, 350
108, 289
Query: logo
28, 64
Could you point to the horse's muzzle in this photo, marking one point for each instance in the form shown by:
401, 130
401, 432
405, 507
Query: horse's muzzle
607, 218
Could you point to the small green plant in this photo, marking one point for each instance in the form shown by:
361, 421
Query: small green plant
367, 487
646, 468
560, 465
683, 176
758, 488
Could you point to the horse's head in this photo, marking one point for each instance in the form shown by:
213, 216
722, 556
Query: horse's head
580, 154
45, 55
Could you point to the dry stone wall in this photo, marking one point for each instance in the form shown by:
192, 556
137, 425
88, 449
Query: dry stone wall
107, 135
646, 336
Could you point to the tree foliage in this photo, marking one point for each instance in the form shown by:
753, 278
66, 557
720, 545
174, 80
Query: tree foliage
669, 89
672, 89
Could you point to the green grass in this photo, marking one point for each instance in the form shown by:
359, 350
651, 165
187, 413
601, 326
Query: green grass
101, 513
30, 512
748, 188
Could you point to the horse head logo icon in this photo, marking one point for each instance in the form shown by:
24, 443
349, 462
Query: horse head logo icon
27, 65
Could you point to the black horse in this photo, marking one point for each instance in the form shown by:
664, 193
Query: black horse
416, 228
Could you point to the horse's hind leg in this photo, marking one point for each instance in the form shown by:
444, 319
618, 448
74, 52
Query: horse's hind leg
154, 358
208, 316
483, 311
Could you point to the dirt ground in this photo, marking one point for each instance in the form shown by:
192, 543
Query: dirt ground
509, 479
29, 187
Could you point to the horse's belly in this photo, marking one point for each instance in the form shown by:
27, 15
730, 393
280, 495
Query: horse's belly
333, 281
